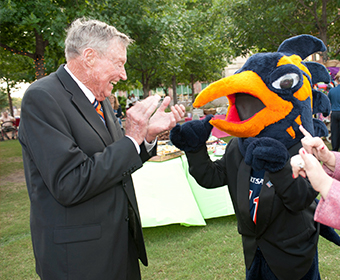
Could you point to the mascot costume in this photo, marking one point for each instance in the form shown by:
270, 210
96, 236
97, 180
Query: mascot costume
269, 98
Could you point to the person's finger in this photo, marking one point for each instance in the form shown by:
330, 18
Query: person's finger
164, 104
177, 112
148, 105
302, 153
305, 132
297, 160
296, 171
181, 106
307, 158
151, 100
302, 173
297, 165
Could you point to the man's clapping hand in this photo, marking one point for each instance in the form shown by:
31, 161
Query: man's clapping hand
142, 123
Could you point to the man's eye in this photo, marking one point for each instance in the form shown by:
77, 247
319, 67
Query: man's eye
286, 81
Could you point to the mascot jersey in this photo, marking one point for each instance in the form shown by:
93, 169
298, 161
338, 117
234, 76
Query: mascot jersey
255, 185
269, 98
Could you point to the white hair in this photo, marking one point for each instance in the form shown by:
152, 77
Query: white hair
94, 34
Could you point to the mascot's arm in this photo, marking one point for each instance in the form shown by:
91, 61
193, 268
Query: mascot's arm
208, 174
297, 194
191, 137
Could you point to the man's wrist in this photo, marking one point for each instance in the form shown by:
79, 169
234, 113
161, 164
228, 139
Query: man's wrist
149, 145
150, 138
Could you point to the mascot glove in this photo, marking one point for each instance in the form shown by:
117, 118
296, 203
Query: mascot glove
266, 153
192, 135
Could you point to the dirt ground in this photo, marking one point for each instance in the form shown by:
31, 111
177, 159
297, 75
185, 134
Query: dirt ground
18, 177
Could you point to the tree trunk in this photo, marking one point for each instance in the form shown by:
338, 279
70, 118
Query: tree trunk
10, 104
145, 83
323, 29
192, 87
40, 46
38, 56
146, 90
174, 89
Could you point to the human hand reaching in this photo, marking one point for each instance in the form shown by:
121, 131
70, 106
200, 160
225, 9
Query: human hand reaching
162, 121
137, 118
316, 146
305, 164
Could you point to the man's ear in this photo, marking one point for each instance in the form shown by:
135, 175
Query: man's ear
89, 56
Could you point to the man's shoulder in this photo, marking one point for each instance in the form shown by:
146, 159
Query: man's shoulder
45, 81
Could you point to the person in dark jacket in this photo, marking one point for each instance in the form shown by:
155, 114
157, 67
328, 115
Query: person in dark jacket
334, 98
84, 218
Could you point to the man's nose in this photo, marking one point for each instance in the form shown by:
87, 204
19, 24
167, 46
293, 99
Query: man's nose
123, 75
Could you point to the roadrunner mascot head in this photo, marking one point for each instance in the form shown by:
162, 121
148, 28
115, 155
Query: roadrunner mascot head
269, 98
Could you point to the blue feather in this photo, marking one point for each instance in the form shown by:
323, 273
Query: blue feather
302, 45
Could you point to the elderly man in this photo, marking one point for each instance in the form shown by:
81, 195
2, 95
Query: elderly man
85, 221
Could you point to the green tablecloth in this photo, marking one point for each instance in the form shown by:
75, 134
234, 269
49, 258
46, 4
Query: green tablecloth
168, 194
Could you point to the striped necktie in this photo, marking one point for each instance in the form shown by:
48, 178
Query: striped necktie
98, 106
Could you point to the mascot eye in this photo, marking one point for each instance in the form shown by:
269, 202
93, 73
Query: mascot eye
286, 81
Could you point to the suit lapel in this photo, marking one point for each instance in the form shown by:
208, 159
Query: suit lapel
111, 121
243, 177
267, 198
265, 202
84, 106
265, 205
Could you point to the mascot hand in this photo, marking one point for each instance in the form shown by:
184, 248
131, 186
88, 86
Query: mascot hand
192, 135
266, 153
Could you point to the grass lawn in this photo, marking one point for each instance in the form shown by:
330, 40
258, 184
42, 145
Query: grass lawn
174, 251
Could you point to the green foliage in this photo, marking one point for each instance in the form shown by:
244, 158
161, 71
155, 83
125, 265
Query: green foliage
170, 40
190, 40
122, 102
15, 68
36, 29
3, 99
206, 48
128, 85
150, 30
263, 25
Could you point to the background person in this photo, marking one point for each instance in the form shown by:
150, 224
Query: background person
84, 219
134, 99
334, 97
130, 101
116, 108
7, 122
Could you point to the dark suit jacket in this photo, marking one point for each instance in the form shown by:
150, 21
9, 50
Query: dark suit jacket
78, 175
285, 230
